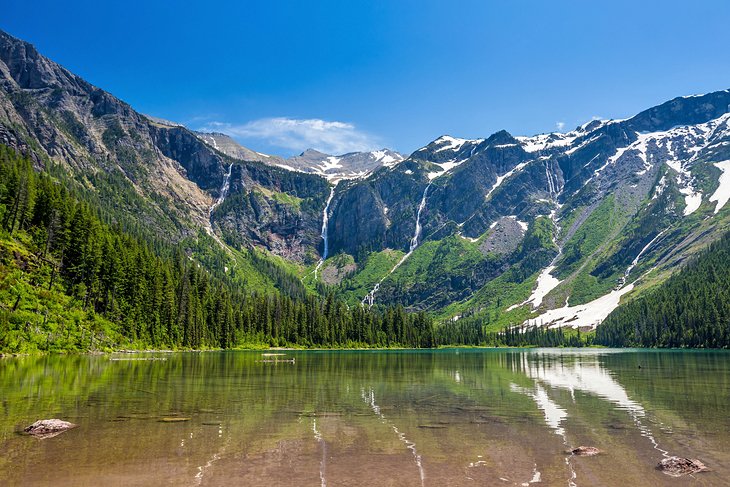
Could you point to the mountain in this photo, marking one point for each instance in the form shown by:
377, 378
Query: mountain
334, 168
230, 147
346, 166
150, 172
552, 229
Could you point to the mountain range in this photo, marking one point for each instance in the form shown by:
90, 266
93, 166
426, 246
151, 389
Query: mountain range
554, 229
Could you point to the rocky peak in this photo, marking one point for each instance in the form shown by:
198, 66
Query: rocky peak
684, 110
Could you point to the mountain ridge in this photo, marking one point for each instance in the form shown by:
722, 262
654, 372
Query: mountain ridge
498, 230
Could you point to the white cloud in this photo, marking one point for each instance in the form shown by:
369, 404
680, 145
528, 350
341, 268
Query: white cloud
322, 135
560, 126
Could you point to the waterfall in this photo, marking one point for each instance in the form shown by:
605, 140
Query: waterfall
421, 206
325, 224
550, 183
369, 298
224, 191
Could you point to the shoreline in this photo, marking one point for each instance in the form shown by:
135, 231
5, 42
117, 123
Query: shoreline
126, 351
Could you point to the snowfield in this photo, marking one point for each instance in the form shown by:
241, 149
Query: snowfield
588, 314
722, 193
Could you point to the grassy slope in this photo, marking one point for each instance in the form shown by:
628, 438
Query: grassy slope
376, 266
40, 319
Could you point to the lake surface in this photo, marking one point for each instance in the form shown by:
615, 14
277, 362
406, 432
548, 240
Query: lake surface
400, 418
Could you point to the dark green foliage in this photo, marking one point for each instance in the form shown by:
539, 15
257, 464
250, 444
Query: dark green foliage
471, 332
542, 337
691, 309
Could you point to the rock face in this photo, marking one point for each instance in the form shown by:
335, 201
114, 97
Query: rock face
273, 209
678, 466
48, 428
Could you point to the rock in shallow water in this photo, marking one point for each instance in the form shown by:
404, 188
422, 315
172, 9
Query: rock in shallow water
584, 451
48, 428
678, 466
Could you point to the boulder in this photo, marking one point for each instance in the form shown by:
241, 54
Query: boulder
48, 428
678, 466
584, 451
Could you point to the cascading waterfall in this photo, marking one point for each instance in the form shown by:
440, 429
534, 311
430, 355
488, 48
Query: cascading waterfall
421, 206
550, 182
369, 298
325, 224
224, 191
221, 197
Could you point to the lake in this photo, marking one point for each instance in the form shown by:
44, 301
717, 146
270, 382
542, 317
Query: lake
401, 418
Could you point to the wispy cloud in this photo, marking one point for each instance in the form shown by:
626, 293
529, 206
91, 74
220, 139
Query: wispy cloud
331, 137
560, 126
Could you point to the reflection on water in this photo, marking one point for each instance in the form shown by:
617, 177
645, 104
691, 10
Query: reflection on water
554, 416
589, 376
323, 446
370, 400
447, 417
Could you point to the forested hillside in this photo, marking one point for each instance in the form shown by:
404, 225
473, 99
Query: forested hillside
68, 282
691, 309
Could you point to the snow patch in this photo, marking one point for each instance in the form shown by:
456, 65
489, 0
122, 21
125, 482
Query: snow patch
504, 176
473, 240
545, 283
588, 314
722, 193
519, 222
449, 143
660, 187
445, 167
543, 142
385, 158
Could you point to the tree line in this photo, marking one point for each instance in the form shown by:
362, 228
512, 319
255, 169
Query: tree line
690, 310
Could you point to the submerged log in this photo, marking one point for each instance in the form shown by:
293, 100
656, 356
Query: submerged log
678, 466
48, 428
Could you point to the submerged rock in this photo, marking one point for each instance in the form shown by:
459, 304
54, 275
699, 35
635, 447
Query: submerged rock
678, 466
48, 428
584, 451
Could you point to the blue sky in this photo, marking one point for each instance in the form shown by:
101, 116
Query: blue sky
345, 75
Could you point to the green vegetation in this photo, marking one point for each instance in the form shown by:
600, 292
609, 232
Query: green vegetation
376, 266
587, 249
70, 282
463, 333
690, 309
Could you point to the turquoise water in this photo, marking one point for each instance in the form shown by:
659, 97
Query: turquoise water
446, 417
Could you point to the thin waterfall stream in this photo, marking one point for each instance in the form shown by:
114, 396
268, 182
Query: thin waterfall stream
369, 298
